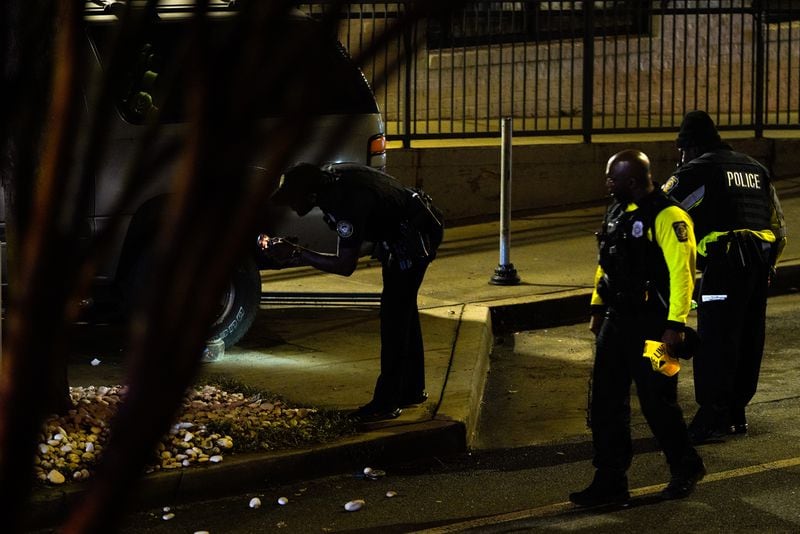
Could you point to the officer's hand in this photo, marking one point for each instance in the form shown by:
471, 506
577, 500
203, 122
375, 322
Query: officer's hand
284, 253
596, 322
672, 338
278, 252
277, 248
262, 241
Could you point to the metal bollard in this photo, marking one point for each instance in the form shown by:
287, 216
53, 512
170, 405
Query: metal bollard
505, 274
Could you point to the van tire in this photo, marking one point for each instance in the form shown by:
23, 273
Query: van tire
238, 304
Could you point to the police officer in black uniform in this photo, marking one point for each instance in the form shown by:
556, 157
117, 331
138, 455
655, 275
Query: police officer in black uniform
643, 289
740, 234
363, 204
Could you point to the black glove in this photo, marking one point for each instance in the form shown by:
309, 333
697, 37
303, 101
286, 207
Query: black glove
690, 345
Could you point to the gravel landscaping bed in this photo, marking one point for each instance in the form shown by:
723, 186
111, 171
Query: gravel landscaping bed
215, 420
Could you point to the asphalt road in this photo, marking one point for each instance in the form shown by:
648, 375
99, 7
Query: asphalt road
516, 483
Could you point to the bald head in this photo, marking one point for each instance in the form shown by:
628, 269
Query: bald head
628, 175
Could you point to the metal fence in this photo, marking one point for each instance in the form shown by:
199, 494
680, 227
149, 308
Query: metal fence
580, 67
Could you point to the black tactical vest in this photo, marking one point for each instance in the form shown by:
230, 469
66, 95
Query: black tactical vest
635, 271
737, 194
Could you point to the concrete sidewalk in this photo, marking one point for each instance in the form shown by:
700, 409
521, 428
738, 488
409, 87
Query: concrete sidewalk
327, 355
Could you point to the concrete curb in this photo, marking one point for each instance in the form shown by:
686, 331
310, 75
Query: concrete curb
469, 368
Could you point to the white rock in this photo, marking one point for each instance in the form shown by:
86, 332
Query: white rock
368, 471
55, 477
95, 363
215, 459
255, 502
354, 506
391, 493
89, 446
167, 517
283, 501
166, 509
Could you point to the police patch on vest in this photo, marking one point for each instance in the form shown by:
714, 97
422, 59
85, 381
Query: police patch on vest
344, 229
670, 184
681, 231
638, 229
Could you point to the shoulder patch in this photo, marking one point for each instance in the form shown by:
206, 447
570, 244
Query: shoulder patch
638, 229
681, 231
670, 184
344, 229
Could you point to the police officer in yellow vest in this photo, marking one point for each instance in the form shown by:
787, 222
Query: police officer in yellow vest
740, 234
643, 290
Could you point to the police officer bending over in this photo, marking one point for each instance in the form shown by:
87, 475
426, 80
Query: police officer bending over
740, 234
363, 204
643, 290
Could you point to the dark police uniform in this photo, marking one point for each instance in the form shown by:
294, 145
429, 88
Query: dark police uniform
362, 204
644, 283
740, 233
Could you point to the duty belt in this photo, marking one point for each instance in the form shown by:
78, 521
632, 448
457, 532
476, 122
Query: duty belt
742, 248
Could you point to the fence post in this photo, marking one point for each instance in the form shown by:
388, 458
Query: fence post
588, 72
758, 20
408, 55
505, 274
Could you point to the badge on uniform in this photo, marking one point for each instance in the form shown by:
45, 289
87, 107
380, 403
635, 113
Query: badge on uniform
670, 184
681, 231
344, 229
638, 229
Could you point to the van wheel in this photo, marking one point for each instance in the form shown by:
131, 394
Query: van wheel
238, 304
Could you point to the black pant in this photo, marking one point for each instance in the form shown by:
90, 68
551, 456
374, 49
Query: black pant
402, 353
618, 361
732, 306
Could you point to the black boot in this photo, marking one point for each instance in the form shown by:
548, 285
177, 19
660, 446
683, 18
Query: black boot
607, 487
684, 478
375, 411
709, 425
738, 421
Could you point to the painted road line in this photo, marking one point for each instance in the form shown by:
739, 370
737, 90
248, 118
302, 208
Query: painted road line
562, 507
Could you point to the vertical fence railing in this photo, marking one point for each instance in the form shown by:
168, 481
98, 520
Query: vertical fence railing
581, 68
588, 75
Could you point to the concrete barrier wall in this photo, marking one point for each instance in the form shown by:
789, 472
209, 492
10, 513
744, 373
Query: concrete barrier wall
465, 181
